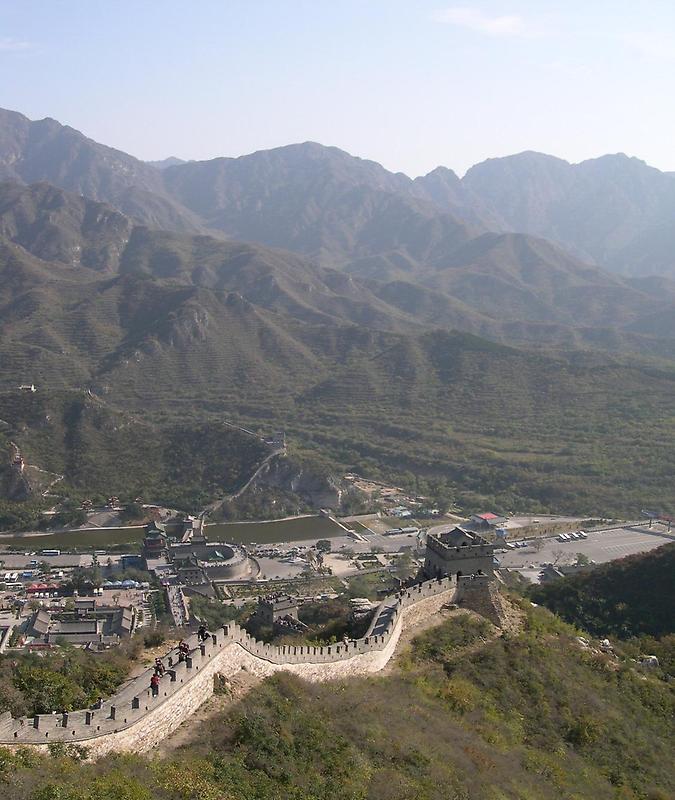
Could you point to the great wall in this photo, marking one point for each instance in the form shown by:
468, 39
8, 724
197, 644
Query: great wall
134, 720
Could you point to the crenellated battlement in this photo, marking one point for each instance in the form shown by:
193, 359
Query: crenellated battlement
134, 719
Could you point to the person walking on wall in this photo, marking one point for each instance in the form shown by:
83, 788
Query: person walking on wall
154, 684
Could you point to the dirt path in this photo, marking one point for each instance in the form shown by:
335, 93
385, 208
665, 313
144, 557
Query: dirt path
233, 691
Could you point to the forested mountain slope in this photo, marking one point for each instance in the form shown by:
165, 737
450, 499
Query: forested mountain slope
173, 326
364, 351
616, 210
630, 597
511, 288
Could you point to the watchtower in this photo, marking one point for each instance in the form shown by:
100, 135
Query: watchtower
277, 606
456, 553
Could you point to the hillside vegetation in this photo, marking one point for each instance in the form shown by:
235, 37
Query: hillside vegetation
528, 717
102, 452
400, 339
633, 596
64, 680
159, 332
338, 208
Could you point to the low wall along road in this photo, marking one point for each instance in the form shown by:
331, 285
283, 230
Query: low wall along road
134, 720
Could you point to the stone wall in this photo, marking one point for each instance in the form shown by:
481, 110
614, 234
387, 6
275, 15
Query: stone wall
422, 609
134, 720
481, 594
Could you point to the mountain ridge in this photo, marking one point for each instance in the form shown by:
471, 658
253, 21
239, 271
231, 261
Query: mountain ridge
363, 347
614, 210
486, 286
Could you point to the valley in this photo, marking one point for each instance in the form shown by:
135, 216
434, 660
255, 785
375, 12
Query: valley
337, 401
146, 327
397, 339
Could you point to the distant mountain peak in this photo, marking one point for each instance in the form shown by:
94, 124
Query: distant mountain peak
441, 172
164, 163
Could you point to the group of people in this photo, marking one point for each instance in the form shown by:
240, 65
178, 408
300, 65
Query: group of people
183, 653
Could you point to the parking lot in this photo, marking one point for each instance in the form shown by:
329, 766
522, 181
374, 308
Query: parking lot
276, 568
600, 546
14, 561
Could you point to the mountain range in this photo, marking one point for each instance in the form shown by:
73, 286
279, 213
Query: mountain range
310, 289
614, 211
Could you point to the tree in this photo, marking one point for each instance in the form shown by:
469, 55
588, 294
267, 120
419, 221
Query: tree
324, 546
582, 560
557, 555
133, 511
83, 578
48, 690
404, 566
95, 572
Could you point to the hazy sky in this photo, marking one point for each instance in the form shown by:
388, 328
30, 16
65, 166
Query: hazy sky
409, 83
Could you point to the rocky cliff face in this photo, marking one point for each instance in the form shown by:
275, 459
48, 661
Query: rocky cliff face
14, 483
317, 489
15, 486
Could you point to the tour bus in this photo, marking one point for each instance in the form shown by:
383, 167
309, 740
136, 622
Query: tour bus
51, 552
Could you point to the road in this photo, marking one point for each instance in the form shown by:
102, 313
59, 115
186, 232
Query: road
601, 546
